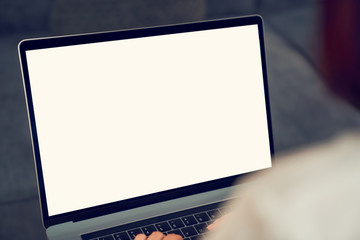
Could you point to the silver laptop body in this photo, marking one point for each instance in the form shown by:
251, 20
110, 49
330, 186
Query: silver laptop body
128, 125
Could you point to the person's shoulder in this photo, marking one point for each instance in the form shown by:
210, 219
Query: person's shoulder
337, 154
308, 176
323, 163
315, 186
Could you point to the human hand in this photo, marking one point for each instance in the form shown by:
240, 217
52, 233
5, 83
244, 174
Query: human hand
158, 236
218, 222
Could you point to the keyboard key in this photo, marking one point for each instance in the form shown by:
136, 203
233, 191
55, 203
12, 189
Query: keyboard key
177, 231
148, 229
201, 227
202, 217
210, 222
189, 231
107, 238
132, 233
163, 226
189, 220
121, 236
224, 210
213, 214
176, 223
198, 237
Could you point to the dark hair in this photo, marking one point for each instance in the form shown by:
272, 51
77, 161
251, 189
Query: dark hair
341, 49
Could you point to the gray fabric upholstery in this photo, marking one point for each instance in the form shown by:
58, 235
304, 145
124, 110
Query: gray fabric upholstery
78, 16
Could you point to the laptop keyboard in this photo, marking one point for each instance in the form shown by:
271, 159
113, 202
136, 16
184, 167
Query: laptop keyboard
191, 224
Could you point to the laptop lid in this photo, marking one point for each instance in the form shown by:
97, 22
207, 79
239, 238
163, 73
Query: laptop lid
129, 118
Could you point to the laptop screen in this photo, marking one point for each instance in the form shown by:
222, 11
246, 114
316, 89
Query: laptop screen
126, 118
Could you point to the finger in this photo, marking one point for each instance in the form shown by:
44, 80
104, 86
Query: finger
156, 236
218, 222
173, 236
140, 236
212, 226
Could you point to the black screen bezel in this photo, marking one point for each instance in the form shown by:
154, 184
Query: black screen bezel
42, 43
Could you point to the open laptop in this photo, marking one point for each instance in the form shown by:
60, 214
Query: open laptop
146, 129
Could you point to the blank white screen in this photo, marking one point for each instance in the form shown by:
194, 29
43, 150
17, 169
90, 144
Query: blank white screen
121, 119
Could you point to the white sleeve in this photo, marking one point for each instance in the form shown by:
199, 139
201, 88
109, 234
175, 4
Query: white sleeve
312, 194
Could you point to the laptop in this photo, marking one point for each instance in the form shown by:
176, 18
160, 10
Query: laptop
147, 129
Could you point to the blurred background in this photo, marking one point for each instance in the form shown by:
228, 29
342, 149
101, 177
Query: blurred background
303, 111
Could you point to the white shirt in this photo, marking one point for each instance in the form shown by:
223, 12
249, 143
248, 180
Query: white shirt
311, 194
